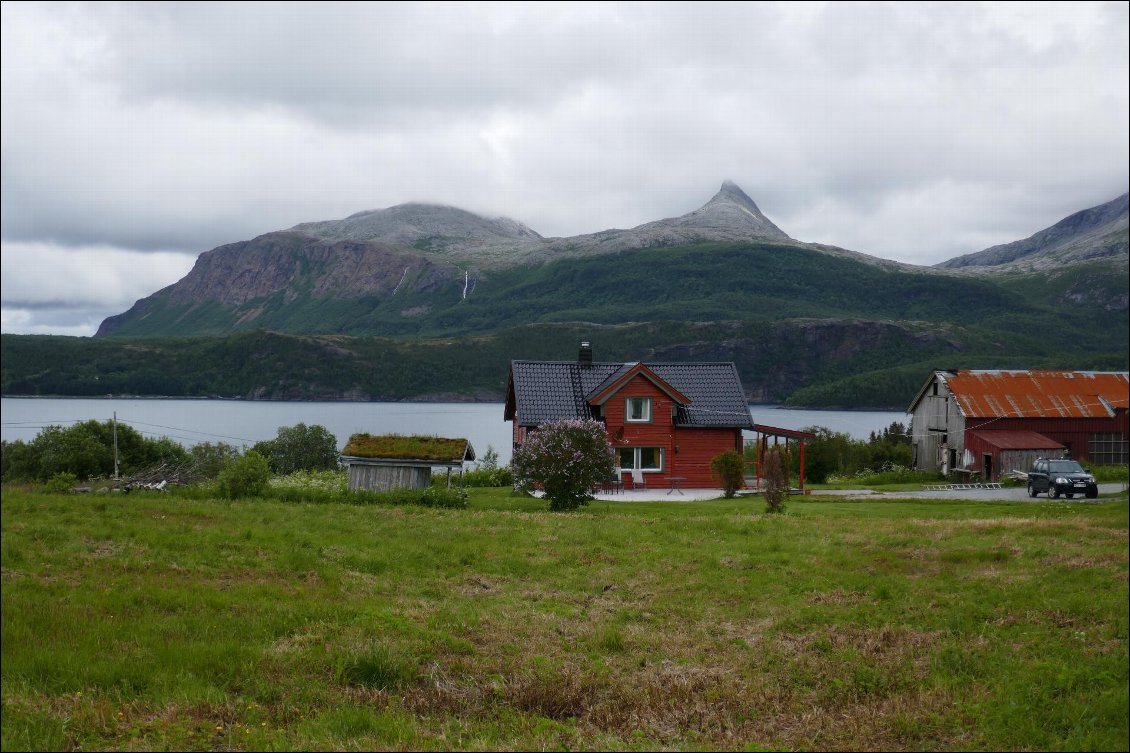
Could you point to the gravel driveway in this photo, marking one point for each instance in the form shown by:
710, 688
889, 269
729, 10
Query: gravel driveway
1013, 494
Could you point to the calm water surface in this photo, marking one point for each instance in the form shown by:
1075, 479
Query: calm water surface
242, 422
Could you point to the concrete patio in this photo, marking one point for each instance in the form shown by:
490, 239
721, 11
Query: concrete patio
659, 495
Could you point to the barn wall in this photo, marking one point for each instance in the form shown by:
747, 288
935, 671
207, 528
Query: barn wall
936, 421
1074, 433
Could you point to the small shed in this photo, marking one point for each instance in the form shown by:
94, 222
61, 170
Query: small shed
1002, 453
380, 463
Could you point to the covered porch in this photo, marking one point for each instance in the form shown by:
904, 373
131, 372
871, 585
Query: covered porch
775, 436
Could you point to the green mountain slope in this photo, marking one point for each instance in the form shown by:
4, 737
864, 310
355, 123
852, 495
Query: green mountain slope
425, 301
815, 362
705, 282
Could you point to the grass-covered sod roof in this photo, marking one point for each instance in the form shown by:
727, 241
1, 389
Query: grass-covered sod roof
415, 447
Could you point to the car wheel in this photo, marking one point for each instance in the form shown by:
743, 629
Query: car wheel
1032, 490
1053, 493
1093, 493
1069, 495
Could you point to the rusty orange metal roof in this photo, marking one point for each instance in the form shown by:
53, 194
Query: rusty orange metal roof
1039, 394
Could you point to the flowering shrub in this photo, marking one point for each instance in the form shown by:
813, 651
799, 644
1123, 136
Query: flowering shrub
887, 473
566, 459
329, 481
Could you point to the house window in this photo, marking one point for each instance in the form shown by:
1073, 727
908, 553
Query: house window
641, 458
639, 409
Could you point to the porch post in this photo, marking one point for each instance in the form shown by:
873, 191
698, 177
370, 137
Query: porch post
802, 465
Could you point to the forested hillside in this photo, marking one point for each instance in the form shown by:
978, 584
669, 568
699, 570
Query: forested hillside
805, 362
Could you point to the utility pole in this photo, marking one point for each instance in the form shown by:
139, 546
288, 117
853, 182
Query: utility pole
115, 445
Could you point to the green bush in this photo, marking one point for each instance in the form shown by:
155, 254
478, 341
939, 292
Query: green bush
86, 449
300, 448
1108, 474
888, 473
482, 477
326, 487
247, 477
729, 468
209, 458
61, 483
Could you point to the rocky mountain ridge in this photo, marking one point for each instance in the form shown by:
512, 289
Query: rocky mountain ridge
418, 248
1099, 232
482, 242
403, 270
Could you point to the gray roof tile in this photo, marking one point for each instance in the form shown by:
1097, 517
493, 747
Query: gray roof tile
554, 390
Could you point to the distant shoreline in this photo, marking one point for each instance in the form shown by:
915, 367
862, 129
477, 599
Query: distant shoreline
776, 406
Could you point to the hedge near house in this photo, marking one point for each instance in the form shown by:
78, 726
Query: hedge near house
729, 468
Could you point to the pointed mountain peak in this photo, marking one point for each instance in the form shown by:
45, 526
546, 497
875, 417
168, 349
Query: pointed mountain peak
731, 193
730, 215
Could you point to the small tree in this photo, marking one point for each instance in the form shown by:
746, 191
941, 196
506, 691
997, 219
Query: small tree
300, 448
567, 459
489, 461
776, 479
729, 468
209, 458
247, 477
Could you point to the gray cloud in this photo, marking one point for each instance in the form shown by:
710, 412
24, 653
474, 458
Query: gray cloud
912, 131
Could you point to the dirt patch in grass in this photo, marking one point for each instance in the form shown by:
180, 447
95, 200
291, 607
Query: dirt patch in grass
837, 597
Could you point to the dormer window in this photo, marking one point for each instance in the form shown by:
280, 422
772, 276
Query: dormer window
639, 410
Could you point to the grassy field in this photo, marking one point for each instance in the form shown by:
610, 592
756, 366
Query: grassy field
154, 622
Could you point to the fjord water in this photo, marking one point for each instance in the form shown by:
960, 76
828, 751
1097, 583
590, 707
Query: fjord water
244, 422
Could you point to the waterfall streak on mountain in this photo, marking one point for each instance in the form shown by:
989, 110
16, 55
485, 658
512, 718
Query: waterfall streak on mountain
401, 280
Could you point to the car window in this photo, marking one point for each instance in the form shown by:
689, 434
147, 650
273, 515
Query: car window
1065, 466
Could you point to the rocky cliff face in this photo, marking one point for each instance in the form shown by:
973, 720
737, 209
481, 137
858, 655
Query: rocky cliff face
295, 265
1096, 233
284, 262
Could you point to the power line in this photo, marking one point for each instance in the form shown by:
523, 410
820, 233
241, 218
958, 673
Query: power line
181, 428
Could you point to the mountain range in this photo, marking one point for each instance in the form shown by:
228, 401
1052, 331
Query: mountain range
408, 270
811, 323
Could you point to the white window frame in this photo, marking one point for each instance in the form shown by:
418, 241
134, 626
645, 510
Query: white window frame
637, 457
646, 402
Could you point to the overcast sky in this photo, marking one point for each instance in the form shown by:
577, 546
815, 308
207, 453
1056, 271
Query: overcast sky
135, 137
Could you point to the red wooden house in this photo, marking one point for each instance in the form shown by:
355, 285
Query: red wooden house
666, 420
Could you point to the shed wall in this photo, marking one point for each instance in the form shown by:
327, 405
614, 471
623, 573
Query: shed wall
383, 478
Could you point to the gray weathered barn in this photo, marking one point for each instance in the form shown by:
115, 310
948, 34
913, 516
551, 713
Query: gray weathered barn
988, 422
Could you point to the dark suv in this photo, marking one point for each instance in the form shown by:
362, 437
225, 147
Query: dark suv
1064, 477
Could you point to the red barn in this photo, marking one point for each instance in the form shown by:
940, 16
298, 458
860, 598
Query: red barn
990, 422
666, 420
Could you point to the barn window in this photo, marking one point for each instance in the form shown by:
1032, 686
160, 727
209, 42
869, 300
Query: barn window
639, 410
1107, 449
